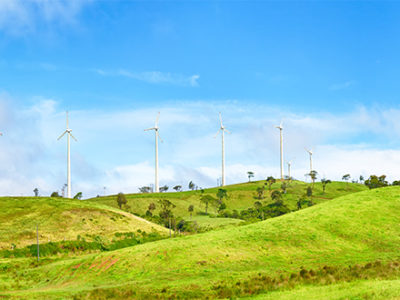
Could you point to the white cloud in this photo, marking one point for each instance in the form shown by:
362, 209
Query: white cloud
114, 151
155, 77
22, 16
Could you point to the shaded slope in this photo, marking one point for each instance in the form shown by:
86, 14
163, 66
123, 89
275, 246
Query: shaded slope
353, 229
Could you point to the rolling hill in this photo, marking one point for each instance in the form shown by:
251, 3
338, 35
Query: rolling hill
240, 196
349, 239
63, 219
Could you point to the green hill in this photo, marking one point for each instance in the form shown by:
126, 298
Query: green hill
62, 219
240, 197
351, 238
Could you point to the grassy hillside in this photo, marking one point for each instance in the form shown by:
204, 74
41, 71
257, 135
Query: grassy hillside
352, 236
61, 219
240, 197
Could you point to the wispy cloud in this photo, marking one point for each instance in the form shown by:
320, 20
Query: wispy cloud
22, 16
342, 86
155, 77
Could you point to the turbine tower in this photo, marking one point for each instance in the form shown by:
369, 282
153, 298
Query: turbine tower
68, 131
157, 136
222, 129
311, 154
289, 164
281, 147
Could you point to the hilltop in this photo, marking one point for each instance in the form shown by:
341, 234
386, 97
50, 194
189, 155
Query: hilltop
338, 240
63, 219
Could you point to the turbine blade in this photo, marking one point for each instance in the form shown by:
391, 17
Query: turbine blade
62, 135
220, 120
227, 131
67, 120
158, 117
161, 140
217, 133
73, 137
149, 129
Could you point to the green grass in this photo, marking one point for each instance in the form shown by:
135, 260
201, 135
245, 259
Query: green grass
350, 230
61, 219
365, 289
240, 197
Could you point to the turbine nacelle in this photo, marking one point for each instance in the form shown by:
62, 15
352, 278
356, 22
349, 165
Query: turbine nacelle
222, 128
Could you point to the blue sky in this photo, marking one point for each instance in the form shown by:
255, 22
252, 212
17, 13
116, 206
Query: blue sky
329, 69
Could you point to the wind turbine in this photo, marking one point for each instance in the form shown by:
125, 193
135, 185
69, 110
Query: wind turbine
157, 136
289, 164
281, 147
310, 152
69, 135
222, 129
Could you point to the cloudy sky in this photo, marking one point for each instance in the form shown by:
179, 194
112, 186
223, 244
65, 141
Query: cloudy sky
329, 69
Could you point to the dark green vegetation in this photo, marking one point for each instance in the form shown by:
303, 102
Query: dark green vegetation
250, 202
352, 239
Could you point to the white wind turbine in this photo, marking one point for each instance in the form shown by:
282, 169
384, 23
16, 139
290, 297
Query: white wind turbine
157, 136
310, 152
69, 135
289, 164
222, 129
280, 127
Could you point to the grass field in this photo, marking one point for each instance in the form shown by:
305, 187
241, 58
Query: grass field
353, 230
60, 219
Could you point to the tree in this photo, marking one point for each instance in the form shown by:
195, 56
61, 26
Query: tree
150, 209
221, 194
121, 200
55, 195
276, 196
270, 181
324, 183
36, 191
166, 209
309, 191
250, 175
374, 181
164, 188
346, 177
145, 189
284, 187
313, 175
206, 200
78, 196
190, 210
260, 192
192, 186
257, 205
177, 188
396, 182
361, 179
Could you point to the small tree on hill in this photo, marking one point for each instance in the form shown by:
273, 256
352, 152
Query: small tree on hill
260, 192
250, 175
276, 196
374, 181
55, 195
177, 188
313, 175
309, 191
361, 179
164, 188
121, 200
206, 200
145, 189
324, 183
190, 210
150, 209
78, 196
192, 186
270, 181
36, 191
284, 187
346, 177
166, 211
